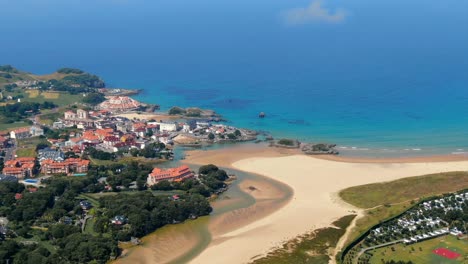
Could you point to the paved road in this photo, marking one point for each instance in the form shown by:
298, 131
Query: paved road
355, 261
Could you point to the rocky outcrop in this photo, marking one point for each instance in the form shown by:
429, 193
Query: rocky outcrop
319, 149
285, 143
195, 112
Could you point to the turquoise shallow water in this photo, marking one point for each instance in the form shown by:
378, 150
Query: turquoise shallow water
386, 78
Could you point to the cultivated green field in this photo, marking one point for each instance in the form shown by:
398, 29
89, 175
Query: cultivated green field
58, 98
422, 252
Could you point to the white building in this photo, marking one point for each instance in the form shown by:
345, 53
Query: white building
167, 127
36, 131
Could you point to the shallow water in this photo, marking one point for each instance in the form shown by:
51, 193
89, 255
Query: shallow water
229, 209
389, 75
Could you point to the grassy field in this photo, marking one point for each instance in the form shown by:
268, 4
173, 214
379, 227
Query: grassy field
413, 188
27, 147
50, 118
91, 197
10, 126
422, 252
311, 248
58, 98
32, 93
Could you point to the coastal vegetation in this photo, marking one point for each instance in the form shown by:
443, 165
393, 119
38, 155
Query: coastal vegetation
212, 180
70, 71
63, 223
18, 111
23, 95
310, 248
403, 190
192, 112
384, 201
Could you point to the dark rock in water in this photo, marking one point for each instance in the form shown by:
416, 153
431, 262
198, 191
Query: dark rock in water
320, 149
261, 115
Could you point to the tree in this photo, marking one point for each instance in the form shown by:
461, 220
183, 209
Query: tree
211, 136
94, 98
163, 186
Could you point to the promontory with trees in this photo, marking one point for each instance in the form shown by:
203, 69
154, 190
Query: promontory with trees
82, 219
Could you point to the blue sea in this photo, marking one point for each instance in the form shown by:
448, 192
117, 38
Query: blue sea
378, 78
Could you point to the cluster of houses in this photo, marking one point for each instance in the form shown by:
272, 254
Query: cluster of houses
27, 132
110, 134
424, 221
19, 168
119, 104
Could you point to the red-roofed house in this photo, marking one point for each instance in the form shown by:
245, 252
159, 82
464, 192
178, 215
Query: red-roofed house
67, 166
90, 137
19, 167
105, 132
20, 133
173, 174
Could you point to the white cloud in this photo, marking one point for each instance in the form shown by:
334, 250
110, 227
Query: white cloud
315, 12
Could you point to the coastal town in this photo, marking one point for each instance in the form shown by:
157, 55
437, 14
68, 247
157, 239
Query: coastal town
92, 167
72, 157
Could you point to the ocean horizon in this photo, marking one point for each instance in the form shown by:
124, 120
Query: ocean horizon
385, 80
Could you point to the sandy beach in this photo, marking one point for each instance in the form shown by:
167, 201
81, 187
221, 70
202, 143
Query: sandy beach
315, 204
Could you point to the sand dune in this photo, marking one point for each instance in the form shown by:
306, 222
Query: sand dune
315, 203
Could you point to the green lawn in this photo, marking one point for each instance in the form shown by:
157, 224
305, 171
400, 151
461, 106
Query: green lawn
99, 162
27, 146
89, 227
26, 152
422, 252
413, 188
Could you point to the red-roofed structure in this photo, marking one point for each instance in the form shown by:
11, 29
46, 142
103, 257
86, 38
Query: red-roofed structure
173, 174
19, 167
69, 165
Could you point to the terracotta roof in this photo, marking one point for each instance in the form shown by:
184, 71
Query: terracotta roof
162, 174
21, 130
111, 138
